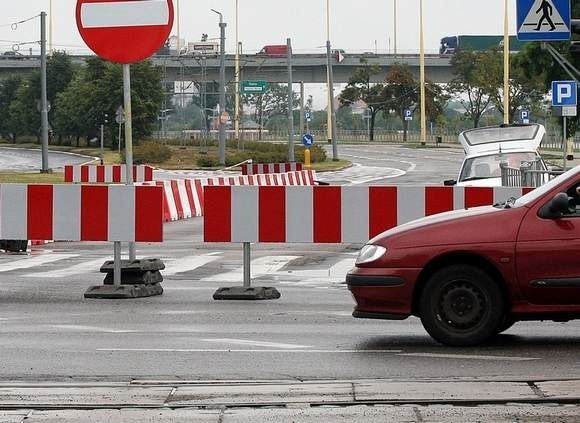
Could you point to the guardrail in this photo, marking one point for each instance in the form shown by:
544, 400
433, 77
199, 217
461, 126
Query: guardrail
529, 174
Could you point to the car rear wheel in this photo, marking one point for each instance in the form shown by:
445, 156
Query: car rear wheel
461, 305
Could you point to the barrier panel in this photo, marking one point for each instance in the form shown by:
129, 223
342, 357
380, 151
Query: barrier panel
263, 168
330, 214
106, 173
184, 198
81, 212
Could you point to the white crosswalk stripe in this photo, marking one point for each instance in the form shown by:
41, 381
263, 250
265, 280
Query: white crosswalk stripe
261, 266
34, 261
275, 269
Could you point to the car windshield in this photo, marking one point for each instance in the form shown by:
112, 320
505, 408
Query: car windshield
532, 196
483, 167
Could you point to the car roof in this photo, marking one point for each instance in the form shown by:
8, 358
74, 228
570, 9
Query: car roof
505, 138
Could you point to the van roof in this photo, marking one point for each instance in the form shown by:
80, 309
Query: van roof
502, 137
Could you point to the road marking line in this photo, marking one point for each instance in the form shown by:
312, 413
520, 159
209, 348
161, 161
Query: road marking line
186, 264
34, 261
470, 357
256, 343
209, 350
92, 266
260, 266
92, 329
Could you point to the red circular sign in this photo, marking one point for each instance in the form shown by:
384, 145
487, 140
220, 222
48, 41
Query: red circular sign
124, 31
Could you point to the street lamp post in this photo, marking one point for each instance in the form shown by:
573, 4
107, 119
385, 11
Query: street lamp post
395, 27
237, 80
330, 130
506, 65
222, 102
422, 74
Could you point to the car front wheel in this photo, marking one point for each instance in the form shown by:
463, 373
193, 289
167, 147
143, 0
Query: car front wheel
461, 305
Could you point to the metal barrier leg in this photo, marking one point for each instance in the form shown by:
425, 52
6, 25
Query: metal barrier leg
246, 292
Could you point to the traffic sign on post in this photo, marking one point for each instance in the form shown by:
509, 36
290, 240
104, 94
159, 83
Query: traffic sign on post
543, 20
307, 140
564, 93
525, 116
124, 31
408, 114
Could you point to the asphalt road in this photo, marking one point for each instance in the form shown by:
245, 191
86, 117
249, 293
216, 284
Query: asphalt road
22, 160
50, 334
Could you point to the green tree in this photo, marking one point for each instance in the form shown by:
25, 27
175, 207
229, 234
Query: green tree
8, 91
471, 83
360, 87
401, 93
273, 102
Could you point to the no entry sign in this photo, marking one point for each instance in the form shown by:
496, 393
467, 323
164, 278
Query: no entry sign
124, 31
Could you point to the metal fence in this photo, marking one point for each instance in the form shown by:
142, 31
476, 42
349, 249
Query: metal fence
529, 174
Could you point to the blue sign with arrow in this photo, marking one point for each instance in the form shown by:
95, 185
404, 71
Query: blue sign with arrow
543, 20
307, 140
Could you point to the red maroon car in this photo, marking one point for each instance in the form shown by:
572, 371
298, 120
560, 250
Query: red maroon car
470, 274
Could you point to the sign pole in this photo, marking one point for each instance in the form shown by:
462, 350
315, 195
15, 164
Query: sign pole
564, 144
128, 138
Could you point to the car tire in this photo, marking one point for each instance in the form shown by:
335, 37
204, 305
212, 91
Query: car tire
461, 305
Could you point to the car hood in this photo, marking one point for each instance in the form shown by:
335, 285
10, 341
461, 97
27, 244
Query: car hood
467, 226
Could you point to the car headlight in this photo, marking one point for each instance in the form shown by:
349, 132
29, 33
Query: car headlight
370, 253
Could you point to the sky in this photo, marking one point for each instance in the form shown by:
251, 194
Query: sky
355, 25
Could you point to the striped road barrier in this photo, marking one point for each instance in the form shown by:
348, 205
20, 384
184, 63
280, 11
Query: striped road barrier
184, 198
330, 214
81, 212
264, 168
98, 174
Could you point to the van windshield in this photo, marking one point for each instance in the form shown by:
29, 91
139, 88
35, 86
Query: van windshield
483, 167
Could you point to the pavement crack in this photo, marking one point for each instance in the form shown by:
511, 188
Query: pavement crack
536, 389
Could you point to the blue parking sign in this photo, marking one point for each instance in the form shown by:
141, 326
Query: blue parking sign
564, 93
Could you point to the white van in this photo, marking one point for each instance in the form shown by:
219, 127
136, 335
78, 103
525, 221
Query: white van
485, 148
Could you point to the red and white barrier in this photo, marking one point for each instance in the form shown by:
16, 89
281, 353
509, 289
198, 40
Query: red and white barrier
81, 212
184, 198
254, 169
329, 214
106, 174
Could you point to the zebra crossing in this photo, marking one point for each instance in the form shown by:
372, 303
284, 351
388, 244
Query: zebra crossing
323, 272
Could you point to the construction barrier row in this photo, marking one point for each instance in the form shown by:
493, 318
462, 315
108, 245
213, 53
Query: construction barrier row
330, 214
264, 168
184, 198
81, 212
98, 174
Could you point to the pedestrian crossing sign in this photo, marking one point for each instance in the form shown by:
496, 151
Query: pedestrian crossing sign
543, 20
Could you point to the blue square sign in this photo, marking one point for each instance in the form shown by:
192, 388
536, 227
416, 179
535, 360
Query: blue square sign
543, 20
564, 93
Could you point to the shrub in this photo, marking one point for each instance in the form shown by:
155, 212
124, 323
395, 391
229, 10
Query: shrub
150, 153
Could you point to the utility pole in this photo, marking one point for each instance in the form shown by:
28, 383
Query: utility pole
290, 102
301, 108
222, 102
332, 114
43, 95
237, 81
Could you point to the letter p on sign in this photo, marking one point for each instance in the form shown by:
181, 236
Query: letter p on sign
564, 93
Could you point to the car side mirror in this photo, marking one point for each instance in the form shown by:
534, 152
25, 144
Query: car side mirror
449, 182
556, 207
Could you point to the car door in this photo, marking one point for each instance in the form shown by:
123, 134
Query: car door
548, 255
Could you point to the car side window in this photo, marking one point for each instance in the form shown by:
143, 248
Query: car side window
574, 194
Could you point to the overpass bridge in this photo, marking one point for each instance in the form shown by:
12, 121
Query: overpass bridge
309, 68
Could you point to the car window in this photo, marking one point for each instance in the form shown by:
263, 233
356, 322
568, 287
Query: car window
488, 166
